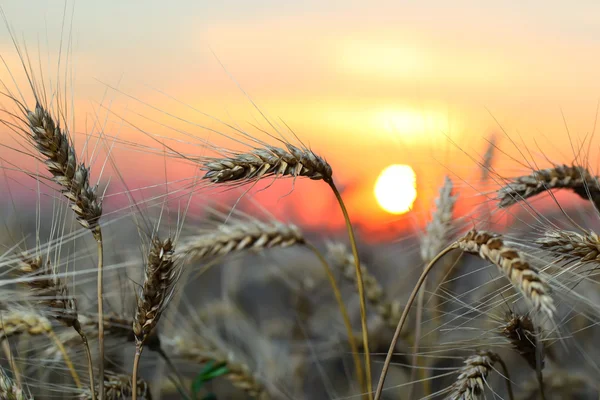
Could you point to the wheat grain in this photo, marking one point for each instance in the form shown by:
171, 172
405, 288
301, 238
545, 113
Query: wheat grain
575, 178
267, 161
512, 263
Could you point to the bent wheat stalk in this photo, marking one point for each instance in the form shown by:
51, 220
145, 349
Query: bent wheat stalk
267, 161
511, 262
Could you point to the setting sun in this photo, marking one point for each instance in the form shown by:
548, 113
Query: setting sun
396, 188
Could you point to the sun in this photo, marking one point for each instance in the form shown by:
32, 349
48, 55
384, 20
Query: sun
396, 188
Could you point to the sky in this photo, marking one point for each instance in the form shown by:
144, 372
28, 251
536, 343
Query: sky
364, 84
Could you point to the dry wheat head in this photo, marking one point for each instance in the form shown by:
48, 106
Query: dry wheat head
161, 274
470, 384
61, 160
512, 263
267, 161
576, 178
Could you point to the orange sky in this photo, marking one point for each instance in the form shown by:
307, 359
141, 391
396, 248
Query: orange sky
365, 85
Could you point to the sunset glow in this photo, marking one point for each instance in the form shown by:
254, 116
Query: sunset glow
396, 189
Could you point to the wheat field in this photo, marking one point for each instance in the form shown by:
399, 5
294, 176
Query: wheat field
115, 287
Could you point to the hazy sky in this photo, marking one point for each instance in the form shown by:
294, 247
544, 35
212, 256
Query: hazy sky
367, 84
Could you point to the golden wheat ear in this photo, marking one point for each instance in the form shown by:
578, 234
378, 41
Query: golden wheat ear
512, 263
471, 381
161, 274
246, 235
520, 332
61, 160
265, 162
572, 246
576, 178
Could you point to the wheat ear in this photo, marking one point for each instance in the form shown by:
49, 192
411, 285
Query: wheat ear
267, 161
160, 276
575, 178
239, 374
19, 322
74, 179
434, 240
9, 390
294, 162
511, 262
520, 332
249, 235
470, 384
54, 294
120, 387
573, 245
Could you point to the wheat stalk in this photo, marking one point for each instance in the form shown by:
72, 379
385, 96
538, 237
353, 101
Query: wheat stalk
9, 390
471, 381
575, 178
239, 374
160, 276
